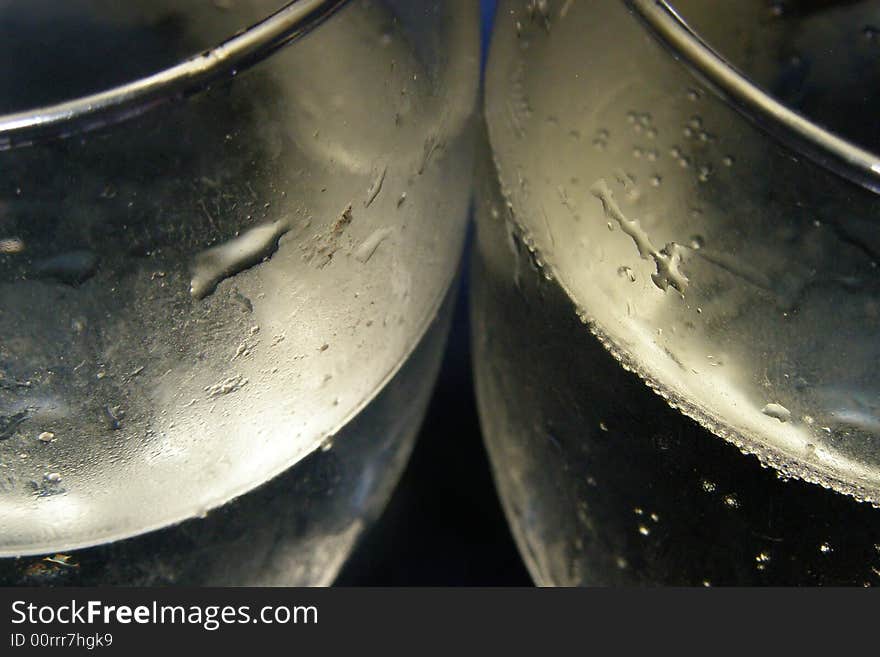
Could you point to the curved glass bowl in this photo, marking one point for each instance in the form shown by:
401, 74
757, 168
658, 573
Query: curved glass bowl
223, 292
712, 236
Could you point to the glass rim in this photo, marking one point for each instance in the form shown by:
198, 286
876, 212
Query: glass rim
187, 77
793, 129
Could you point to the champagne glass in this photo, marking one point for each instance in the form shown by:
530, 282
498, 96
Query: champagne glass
228, 234
675, 291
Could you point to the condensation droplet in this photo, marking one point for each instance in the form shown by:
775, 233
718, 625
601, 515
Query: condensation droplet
777, 411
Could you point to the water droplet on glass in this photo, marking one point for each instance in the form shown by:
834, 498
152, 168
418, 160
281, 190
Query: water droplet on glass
777, 411
369, 246
236, 255
11, 245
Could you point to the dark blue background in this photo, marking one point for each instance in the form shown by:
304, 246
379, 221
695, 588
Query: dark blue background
444, 524
488, 15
